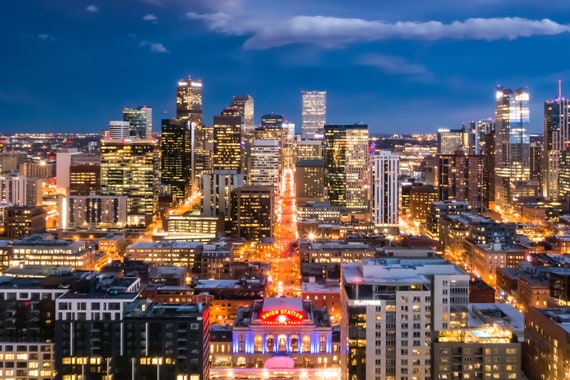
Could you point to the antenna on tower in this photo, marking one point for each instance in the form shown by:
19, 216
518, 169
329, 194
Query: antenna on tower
559, 89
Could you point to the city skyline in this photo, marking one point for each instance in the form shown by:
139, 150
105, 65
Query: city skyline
77, 65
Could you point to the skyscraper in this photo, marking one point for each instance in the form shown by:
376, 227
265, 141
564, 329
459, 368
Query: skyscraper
245, 106
140, 121
189, 109
314, 114
450, 140
512, 143
189, 100
556, 140
347, 166
128, 168
175, 158
227, 140
459, 178
386, 189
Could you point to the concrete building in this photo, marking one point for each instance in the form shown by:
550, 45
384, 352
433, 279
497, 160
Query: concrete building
92, 212
170, 252
390, 307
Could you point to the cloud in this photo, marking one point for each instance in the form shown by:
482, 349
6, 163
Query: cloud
392, 64
155, 47
335, 31
151, 18
92, 8
158, 48
46, 37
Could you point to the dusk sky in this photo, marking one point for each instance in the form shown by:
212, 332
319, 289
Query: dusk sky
399, 66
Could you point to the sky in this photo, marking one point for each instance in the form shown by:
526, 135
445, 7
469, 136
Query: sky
408, 66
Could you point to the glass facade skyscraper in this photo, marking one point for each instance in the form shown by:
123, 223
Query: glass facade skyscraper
512, 143
314, 114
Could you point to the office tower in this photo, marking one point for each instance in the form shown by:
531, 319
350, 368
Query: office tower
309, 181
175, 147
556, 141
216, 191
189, 109
288, 148
347, 166
252, 212
119, 130
140, 121
547, 343
42, 169
535, 164
314, 114
386, 189
459, 178
227, 141
421, 198
450, 140
245, 106
482, 128
309, 150
189, 100
512, 143
84, 174
128, 168
489, 169
265, 163
389, 309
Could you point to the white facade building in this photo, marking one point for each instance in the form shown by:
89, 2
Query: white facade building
390, 306
314, 114
265, 163
386, 189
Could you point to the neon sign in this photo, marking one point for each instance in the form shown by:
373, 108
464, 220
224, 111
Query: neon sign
282, 317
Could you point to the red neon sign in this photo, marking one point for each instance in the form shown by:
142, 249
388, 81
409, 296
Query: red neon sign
282, 317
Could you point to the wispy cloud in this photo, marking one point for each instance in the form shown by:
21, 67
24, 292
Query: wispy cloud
92, 8
335, 31
46, 37
155, 47
150, 18
392, 64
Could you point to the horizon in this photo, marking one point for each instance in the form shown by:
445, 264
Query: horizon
75, 66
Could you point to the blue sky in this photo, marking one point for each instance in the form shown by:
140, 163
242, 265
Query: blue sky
404, 66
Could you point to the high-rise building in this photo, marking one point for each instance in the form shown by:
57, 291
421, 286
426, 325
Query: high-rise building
140, 121
189, 100
128, 168
309, 150
389, 309
556, 141
265, 163
24, 220
92, 211
216, 191
119, 130
512, 143
175, 147
347, 166
228, 139
84, 174
314, 114
245, 106
386, 189
459, 178
252, 209
309, 181
189, 110
450, 140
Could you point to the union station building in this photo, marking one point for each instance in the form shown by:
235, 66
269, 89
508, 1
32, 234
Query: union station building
281, 333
